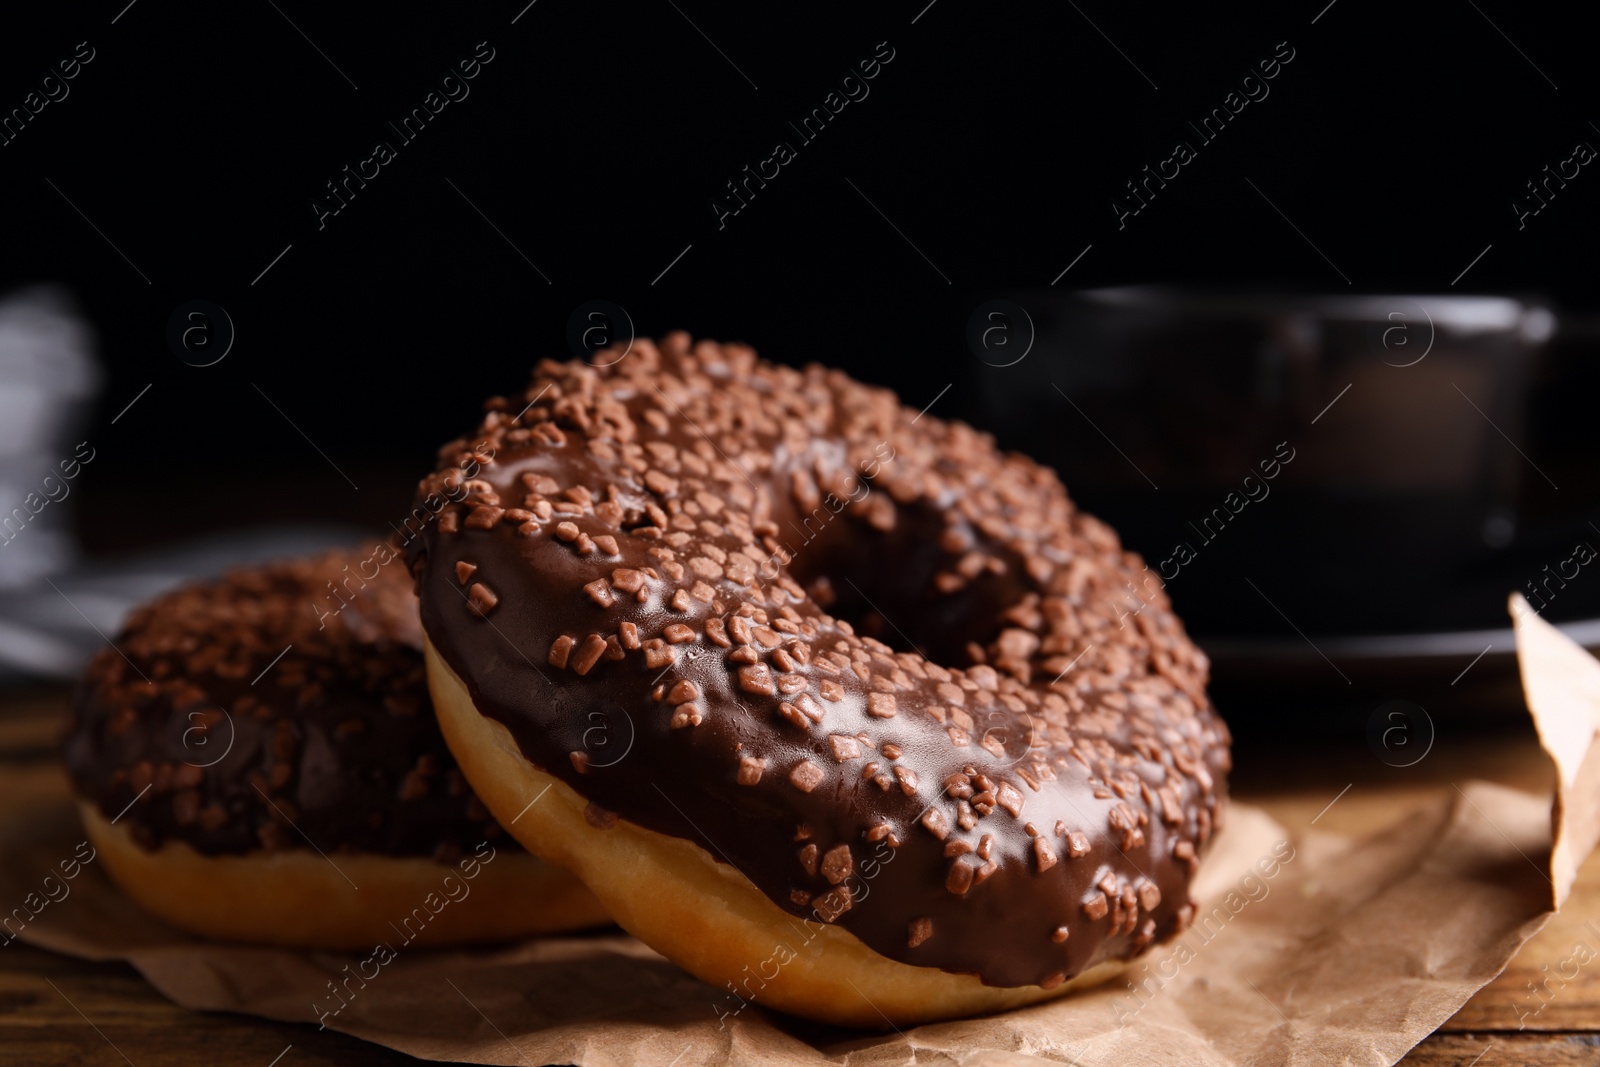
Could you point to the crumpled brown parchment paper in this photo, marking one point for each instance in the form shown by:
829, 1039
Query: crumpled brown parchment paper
1309, 949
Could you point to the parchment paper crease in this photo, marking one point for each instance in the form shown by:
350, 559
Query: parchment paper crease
1315, 949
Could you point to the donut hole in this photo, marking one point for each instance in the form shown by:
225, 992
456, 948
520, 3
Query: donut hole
884, 583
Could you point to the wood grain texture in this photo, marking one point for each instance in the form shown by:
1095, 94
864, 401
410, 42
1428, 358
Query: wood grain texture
1544, 1011
124, 1021
1505, 1050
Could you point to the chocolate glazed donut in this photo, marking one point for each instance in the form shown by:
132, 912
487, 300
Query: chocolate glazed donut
257, 760
884, 735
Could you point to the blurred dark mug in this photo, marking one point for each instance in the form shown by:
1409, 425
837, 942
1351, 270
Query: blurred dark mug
1413, 476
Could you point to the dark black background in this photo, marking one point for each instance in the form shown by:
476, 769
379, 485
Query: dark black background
596, 139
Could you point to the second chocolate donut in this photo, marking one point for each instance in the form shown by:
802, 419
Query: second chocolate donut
258, 760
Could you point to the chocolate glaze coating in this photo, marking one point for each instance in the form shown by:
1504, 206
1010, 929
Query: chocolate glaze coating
644, 569
242, 750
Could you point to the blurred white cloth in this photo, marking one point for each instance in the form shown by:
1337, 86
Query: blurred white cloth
48, 381
57, 609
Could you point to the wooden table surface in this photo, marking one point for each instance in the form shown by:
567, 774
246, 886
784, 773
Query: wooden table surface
58, 1011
